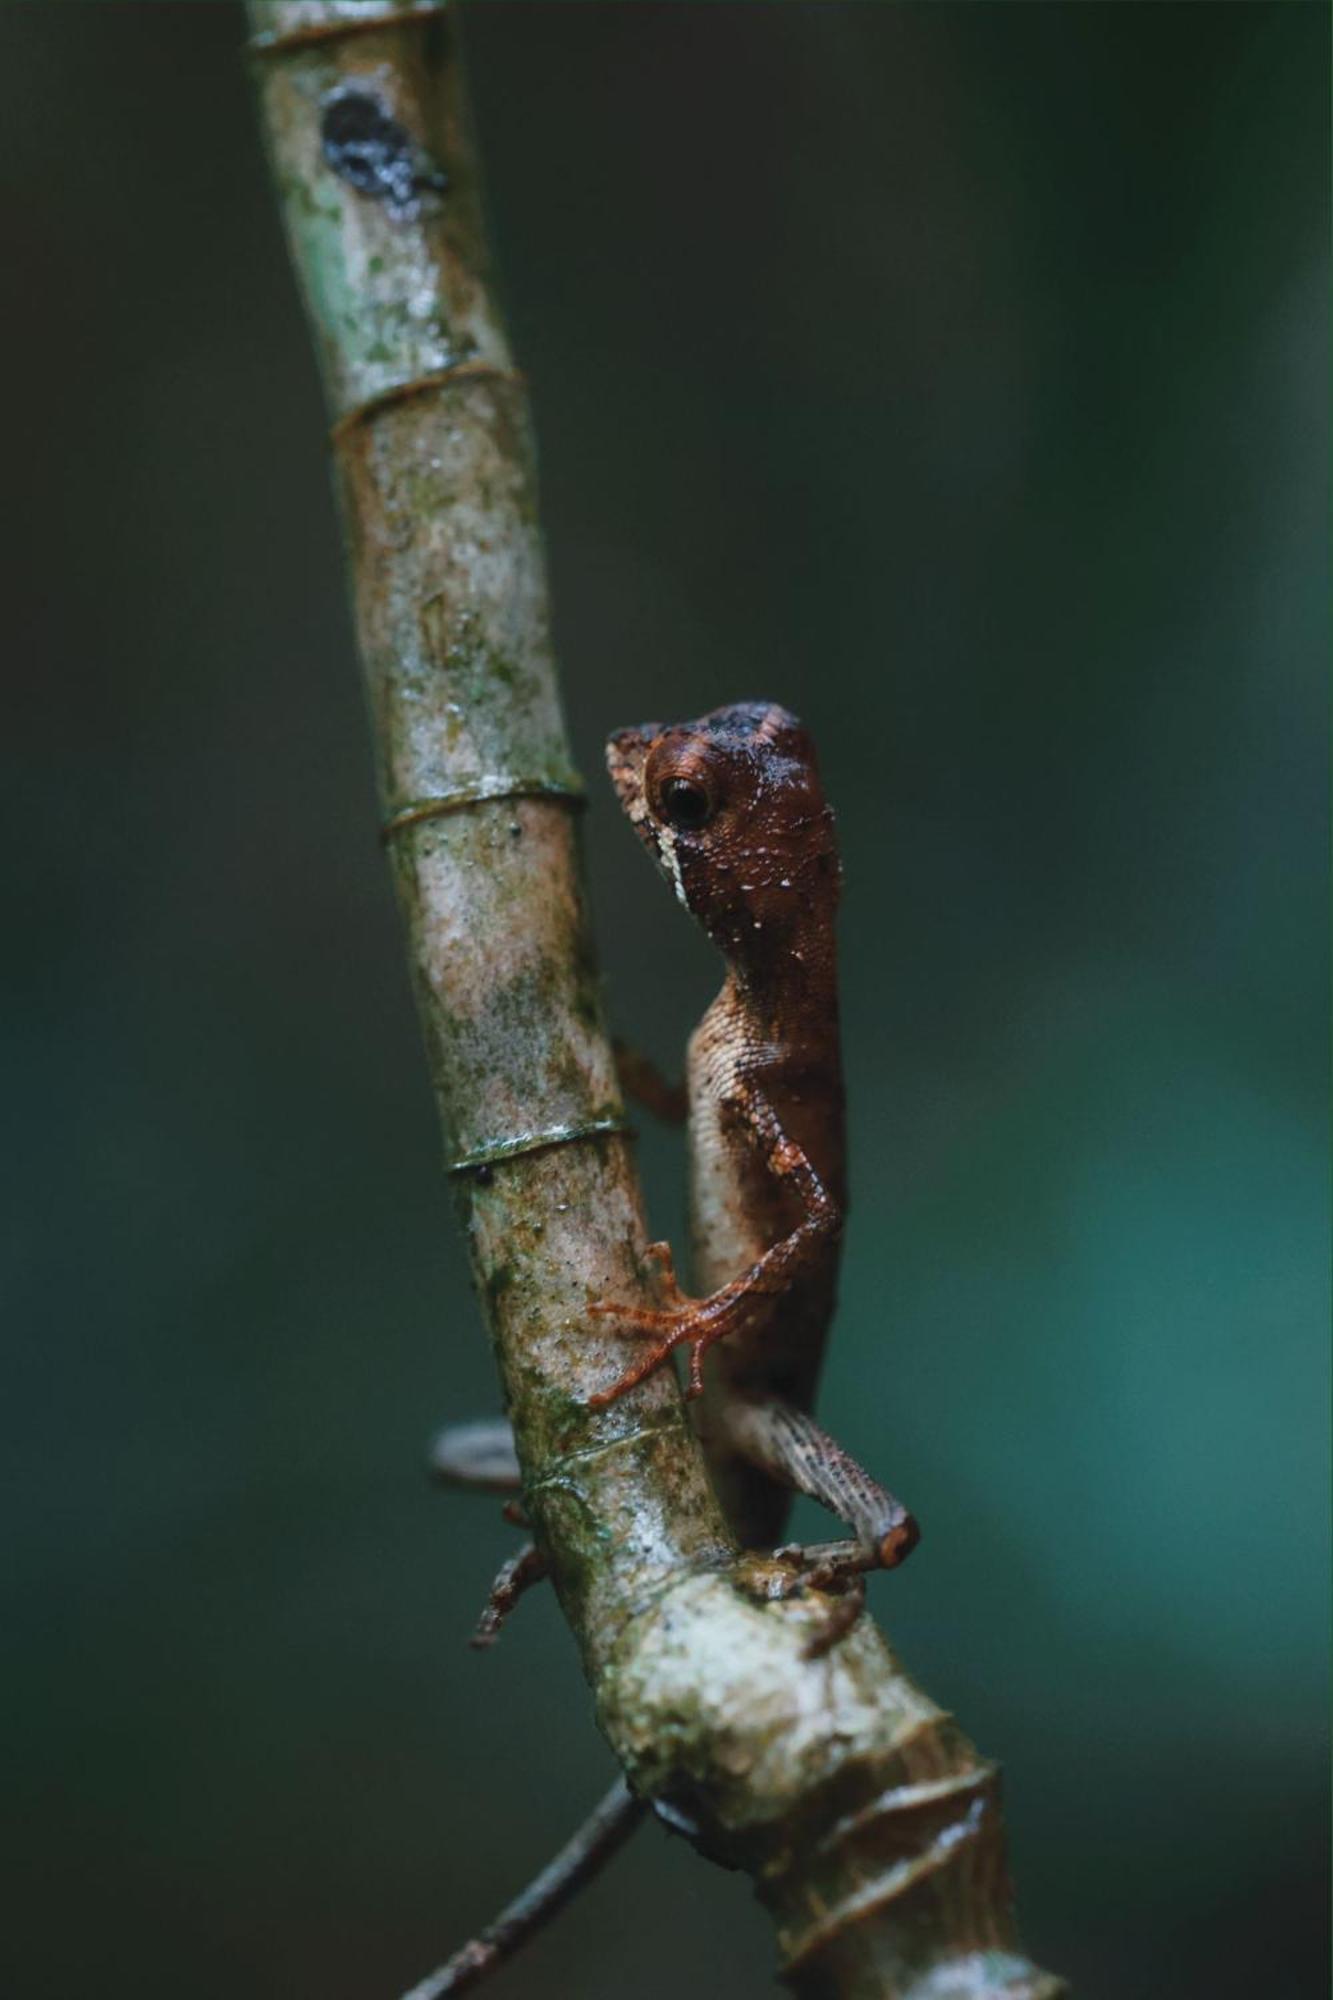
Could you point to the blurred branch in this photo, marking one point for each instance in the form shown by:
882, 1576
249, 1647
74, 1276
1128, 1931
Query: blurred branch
606, 1829
870, 1825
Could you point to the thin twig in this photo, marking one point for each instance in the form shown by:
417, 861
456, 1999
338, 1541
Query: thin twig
476, 1458
602, 1834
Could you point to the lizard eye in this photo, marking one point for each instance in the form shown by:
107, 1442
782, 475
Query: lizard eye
686, 804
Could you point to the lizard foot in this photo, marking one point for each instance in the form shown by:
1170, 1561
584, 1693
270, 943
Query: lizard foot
519, 1574
698, 1323
835, 1569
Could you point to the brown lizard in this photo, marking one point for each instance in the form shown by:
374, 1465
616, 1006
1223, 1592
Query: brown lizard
732, 810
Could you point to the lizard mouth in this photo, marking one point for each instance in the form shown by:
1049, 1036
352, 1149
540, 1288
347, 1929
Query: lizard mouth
626, 754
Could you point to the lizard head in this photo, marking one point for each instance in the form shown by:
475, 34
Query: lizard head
732, 810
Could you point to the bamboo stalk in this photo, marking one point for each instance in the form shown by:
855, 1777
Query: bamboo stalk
871, 1827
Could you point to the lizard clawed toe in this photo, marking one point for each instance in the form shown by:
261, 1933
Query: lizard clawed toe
833, 1569
649, 1365
667, 1282
698, 1323
679, 1321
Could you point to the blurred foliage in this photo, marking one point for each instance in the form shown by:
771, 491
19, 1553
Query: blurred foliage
956, 375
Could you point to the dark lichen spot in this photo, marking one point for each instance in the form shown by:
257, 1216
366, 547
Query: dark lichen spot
371, 152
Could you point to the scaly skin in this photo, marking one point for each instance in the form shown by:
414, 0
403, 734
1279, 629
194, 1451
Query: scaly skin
733, 812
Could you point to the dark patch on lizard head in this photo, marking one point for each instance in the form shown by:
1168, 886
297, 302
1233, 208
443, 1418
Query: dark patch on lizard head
732, 810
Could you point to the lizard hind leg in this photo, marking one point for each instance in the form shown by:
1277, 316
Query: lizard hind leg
516, 1576
794, 1450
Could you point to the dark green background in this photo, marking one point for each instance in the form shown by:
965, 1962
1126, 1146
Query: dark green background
955, 374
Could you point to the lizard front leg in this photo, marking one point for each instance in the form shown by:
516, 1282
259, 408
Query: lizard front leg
748, 1298
641, 1079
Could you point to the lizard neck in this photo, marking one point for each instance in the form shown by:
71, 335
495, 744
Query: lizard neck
787, 987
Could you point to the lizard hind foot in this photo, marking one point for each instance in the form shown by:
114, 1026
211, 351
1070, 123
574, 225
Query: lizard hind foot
897, 1544
832, 1569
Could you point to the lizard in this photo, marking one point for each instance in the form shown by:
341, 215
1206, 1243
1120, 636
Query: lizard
732, 810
